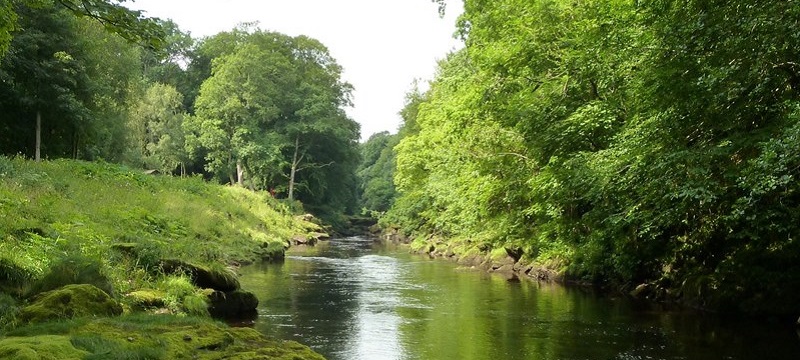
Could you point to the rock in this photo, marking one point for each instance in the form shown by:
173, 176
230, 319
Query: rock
319, 236
232, 304
303, 240
470, 260
202, 277
146, 298
505, 262
68, 302
306, 217
505, 269
515, 253
641, 291
273, 251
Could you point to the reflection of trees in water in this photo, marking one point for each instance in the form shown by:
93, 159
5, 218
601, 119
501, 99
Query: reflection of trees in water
320, 299
439, 312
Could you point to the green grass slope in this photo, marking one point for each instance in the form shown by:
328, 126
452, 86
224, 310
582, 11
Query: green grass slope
72, 222
61, 208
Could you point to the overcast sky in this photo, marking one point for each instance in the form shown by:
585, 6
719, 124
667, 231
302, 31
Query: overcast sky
383, 45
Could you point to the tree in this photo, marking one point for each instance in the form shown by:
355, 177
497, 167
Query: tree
273, 110
627, 142
129, 24
236, 107
158, 122
376, 191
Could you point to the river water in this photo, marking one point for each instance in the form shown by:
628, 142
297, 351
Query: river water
353, 299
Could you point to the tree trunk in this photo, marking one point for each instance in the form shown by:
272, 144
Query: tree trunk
239, 173
231, 175
38, 155
294, 168
251, 181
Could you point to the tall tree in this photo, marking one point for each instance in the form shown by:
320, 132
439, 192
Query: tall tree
157, 121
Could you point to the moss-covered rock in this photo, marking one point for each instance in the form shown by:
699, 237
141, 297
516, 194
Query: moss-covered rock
146, 298
43, 347
68, 302
202, 276
232, 304
149, 337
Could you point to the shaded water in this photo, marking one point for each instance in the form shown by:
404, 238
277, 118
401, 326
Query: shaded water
353, 299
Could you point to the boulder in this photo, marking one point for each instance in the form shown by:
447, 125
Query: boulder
232, 304
303, 240
202, 276
319, 236
145, 299
68, 302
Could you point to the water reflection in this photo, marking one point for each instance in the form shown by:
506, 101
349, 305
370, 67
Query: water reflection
352, 299
377, 326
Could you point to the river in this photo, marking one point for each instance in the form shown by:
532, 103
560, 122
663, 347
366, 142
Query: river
354, 299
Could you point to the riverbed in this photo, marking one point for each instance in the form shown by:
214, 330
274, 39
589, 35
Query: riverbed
354, 299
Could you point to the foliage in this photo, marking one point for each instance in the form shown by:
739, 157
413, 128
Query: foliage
633, 142
272, 113
157, 122
376, 171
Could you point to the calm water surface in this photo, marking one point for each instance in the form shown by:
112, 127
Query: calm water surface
353, 299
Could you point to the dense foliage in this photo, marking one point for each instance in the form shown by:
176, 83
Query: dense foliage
620, 142
92, 80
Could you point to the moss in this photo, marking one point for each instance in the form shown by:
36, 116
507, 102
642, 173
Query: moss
498, 254
158, 337
218, 278
68, 302
147, 298
43, 347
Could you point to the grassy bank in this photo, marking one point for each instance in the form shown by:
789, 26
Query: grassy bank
70, 222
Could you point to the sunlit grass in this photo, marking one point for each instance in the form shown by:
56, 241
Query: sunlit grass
59, 209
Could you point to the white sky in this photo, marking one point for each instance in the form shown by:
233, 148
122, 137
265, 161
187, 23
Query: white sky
383, 45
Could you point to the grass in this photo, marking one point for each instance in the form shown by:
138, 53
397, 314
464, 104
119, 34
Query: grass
66, 221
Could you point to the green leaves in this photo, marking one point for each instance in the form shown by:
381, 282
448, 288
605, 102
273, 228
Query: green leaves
641, 142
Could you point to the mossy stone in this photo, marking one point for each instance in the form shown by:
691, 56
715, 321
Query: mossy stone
146, 298
42, 347
232, 304
202, 276
68, 302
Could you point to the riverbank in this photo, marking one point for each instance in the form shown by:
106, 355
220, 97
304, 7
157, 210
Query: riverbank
514, 263
154, 247
508, 262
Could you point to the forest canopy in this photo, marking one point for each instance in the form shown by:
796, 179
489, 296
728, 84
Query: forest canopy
92, 80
